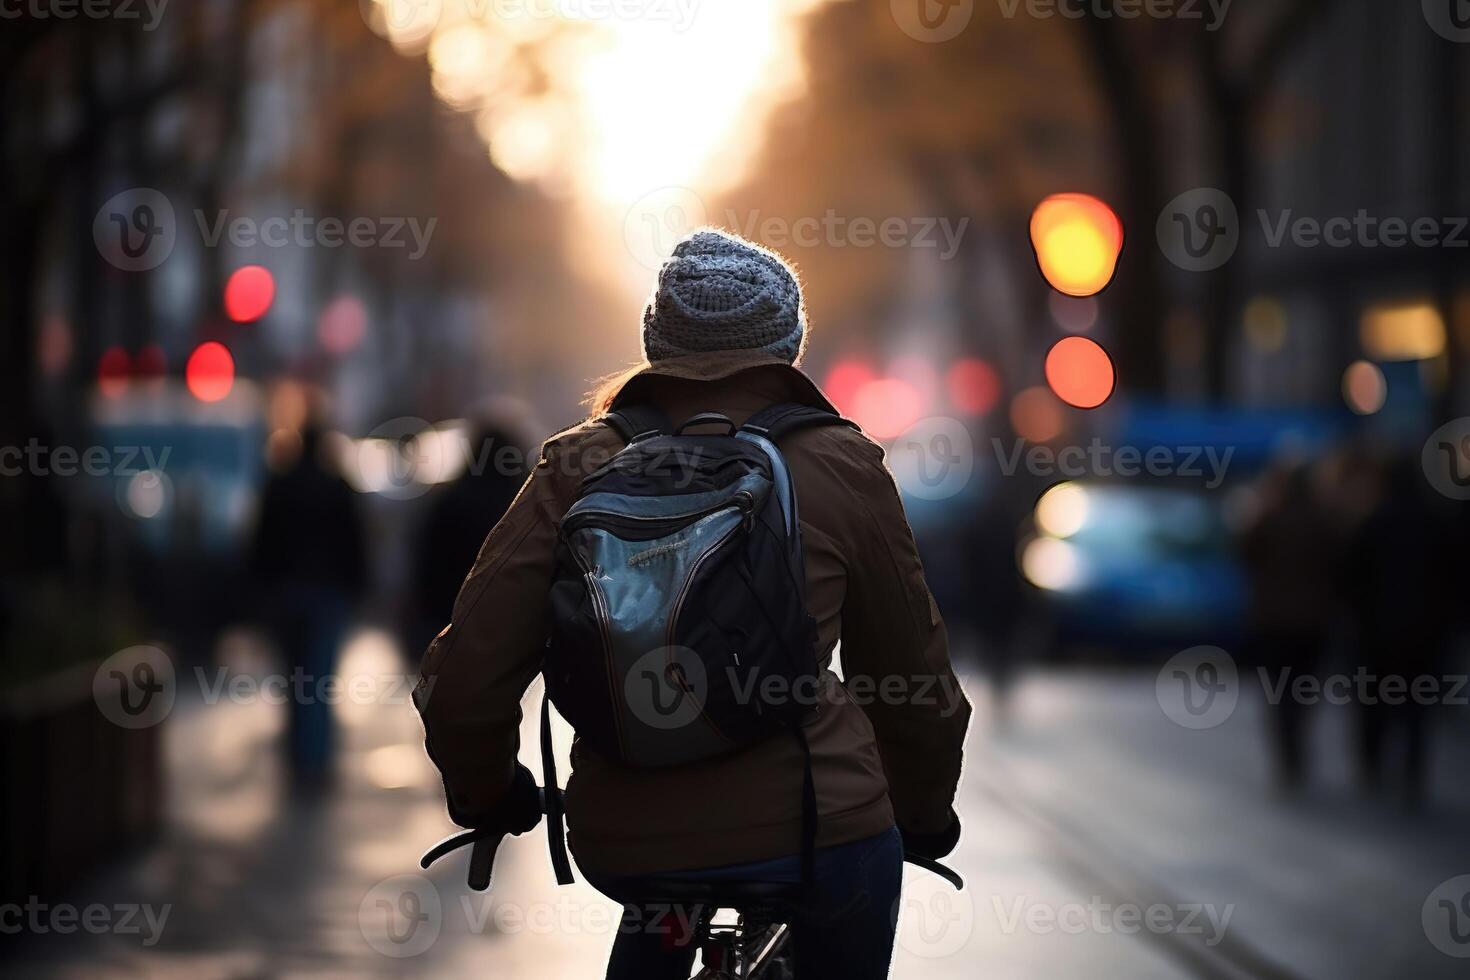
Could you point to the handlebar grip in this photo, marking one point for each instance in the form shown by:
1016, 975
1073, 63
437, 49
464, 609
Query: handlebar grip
482, 862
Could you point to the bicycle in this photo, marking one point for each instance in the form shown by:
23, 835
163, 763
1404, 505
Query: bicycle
755, 946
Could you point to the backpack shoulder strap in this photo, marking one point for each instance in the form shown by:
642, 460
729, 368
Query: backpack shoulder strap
635, 422
778, 420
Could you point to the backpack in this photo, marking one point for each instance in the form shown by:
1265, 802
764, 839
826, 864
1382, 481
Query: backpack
678, 623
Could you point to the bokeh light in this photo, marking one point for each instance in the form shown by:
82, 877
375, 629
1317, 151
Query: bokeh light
844, 381
973, 386
1080, 372
1062, 511
249, 292
113, 370
342, 325
1051, 564
886, 407
1403, 331
1036, 415
1266, 324
1077, 239
1364, 387
210, 373
146, 494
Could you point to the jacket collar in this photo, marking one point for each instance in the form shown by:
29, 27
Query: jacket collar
757, 368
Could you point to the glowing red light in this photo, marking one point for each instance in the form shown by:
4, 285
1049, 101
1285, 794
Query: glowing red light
210, 372
973, 386
1080, 372
844, 381
887, 407
249, 293
113, 370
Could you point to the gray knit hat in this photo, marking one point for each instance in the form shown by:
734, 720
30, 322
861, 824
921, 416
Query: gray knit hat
721, 292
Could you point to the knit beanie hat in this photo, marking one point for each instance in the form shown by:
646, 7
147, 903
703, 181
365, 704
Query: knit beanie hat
720, 292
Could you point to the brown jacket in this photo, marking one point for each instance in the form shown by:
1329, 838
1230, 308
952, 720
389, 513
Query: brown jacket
886, 743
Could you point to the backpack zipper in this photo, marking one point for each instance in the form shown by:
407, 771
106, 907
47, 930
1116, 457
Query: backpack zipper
599, 613
746, 509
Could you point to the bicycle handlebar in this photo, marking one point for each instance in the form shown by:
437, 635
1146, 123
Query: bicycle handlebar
486, 841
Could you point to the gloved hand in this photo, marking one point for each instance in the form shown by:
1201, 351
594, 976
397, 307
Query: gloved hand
933, 846
520, 809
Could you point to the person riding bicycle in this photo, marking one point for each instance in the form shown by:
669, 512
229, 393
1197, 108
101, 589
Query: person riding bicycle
723, 332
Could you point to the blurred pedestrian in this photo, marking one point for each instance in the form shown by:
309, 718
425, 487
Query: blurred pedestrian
1400, 586
308, 564
1289, 554
460, 516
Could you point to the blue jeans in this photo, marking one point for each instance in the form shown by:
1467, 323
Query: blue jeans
844, 928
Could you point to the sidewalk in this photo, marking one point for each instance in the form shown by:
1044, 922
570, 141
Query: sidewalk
1327, 884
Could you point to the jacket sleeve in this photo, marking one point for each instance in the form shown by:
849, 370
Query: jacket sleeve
895, 654
478, 668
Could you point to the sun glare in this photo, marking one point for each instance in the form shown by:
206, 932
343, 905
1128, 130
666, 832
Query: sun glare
614, 106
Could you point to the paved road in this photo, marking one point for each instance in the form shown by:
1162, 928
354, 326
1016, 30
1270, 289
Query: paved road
1102, 841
